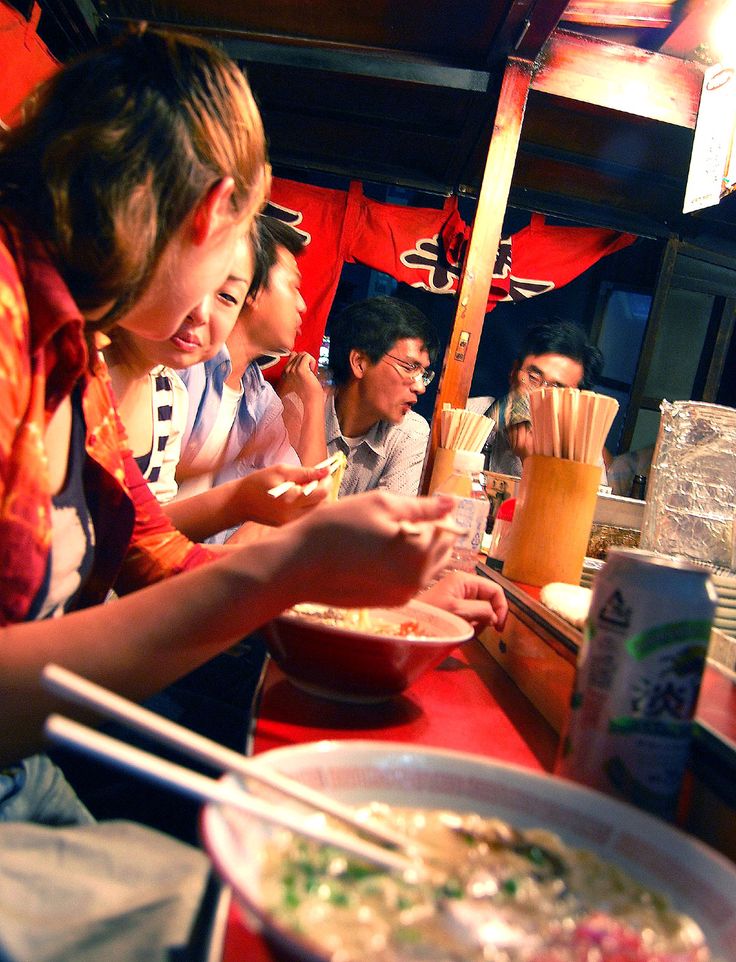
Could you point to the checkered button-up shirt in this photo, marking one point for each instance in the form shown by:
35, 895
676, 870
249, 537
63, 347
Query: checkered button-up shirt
389, 456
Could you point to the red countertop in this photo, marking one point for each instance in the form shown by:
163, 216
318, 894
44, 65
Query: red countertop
468, 703
717, 704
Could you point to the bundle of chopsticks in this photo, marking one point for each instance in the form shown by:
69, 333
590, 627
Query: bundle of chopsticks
462, 430
336, 464
571, 424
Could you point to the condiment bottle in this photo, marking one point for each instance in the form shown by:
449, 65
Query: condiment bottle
465, 487
500, 534
639, 487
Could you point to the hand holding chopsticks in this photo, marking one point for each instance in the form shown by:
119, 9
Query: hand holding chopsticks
336, 466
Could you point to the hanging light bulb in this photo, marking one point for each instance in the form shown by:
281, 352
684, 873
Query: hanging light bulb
722, 36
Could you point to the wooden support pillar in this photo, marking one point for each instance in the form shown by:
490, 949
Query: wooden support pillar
475, 283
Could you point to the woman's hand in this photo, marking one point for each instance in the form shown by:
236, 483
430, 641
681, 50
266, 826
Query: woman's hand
244, 499
475, 598
370, 549
303, 399
262, 507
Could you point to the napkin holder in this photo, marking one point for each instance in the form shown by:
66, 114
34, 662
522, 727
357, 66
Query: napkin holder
552, 521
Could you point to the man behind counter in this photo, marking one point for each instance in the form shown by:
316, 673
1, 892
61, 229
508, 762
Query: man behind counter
380, 352
554, 353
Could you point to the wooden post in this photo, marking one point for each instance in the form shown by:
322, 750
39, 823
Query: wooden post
475, 283
656, 312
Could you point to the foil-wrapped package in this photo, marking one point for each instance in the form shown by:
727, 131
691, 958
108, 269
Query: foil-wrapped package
691, 492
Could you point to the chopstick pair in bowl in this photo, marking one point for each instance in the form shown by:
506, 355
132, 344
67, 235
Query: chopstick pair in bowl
375, 843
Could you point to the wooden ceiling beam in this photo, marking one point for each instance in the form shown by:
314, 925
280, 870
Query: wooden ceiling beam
381, 64
620, 77
536, 29
612, 13
692, 37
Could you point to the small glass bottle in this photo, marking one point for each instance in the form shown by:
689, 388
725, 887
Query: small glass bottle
639, 487
464, 485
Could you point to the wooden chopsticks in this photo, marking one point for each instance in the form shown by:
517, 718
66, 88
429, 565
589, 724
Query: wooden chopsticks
83, 692
71, 734
335, 462
462, 430
282, 488
571, 424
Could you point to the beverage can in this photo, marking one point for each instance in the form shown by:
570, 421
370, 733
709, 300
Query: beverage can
638, 678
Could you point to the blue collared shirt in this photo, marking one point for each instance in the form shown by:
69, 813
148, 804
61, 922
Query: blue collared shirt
258, 436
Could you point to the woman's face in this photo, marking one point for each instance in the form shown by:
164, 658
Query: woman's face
207, 326
188, 272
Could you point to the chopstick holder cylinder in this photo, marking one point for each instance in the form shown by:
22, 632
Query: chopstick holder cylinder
552, 521
444, 462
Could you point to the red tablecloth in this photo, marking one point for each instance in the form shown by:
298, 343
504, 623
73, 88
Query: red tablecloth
717, 704
468, 703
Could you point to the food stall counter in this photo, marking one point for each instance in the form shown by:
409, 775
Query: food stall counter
538, 649
471, 703
468, 703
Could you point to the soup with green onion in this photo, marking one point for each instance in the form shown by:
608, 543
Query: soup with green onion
506, 895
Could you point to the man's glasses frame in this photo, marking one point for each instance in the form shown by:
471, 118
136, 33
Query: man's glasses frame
411, 370
537, 380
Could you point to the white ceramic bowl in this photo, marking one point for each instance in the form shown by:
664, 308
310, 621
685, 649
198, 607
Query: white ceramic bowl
347, 663
696, 879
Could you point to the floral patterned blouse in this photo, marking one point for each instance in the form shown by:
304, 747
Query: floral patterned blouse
43, 354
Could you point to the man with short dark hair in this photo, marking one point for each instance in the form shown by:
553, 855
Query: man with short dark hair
554, 353
380, 355
237, 422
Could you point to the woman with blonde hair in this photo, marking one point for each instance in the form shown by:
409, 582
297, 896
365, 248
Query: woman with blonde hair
122, 196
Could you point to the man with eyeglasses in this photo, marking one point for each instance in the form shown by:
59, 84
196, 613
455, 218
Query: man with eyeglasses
380, 355
554, 353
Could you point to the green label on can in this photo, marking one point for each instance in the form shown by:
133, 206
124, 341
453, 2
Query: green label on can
654, 639
658, 727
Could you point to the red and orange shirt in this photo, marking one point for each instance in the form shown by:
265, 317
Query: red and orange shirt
43, 354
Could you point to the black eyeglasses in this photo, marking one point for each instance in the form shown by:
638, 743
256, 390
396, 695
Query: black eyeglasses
411, 370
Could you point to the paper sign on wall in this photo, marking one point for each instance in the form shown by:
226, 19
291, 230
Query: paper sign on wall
710, 161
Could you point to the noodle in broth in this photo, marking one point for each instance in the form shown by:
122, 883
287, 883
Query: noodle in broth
510, 895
